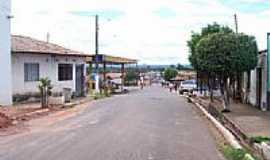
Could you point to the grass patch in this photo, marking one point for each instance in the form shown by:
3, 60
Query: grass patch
259, 139
231, 153
100, 95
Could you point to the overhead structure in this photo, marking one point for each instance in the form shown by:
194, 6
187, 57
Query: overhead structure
112, 60
102, 58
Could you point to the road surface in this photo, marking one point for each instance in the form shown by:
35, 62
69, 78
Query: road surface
152, 124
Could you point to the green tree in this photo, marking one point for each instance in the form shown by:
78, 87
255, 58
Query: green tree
223, 56
202, 75
180, 67
170, 73
196, 37
131, 76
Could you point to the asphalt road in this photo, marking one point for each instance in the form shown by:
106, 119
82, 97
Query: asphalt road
152, 124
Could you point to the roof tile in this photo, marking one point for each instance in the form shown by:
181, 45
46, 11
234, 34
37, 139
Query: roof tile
23, 44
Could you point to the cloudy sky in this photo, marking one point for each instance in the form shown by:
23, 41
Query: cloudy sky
153, 31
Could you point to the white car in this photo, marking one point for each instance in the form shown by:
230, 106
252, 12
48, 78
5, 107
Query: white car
187, 86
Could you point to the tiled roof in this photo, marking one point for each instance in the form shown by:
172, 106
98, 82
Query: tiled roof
22, 44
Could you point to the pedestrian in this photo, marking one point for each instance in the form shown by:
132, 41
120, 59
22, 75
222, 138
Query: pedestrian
175, 87
170, 87
141, 82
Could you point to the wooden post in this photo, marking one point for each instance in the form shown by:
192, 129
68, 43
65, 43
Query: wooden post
137, 73
90, 82
104, 72
122, 75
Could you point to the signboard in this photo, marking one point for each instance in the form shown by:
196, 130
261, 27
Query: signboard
98, 58
268, 70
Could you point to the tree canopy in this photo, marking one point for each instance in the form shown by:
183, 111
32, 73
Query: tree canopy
131, 75
170, 73
227, 54
217, 53
196, 37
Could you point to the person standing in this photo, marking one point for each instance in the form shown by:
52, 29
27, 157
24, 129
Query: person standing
171, 87
141, 82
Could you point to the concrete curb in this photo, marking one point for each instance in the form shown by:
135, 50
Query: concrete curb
38, 112
75, 103
230, 138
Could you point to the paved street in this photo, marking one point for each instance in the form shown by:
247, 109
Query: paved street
152, 124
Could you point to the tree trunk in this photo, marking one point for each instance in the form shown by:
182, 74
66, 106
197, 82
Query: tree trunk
43, 104
201, 83
44, 99
197, 81
247, 88
211, 89
239, 87
231, 86
225, 95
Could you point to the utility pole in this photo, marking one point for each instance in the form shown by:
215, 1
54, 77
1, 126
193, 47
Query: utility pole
236, 23
97, 29
239, 74
96, 56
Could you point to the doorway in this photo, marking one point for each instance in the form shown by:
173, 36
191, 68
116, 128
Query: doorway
259, 87
79, 80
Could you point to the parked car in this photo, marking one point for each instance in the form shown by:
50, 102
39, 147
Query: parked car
187, 86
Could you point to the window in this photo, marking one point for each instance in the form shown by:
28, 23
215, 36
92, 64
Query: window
65, 72
31, 72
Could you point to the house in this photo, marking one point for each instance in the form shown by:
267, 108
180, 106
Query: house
34, 59
255, 83
5, 54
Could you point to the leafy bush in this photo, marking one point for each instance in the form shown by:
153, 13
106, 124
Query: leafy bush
45, 87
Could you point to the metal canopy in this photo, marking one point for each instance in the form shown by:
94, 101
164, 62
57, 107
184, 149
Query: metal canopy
101, 58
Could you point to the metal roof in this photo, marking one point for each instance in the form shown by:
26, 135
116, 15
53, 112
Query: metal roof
102, 58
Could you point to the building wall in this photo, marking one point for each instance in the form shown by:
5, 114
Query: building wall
264, 81
262, 63
48, 67
5, 57
253, 87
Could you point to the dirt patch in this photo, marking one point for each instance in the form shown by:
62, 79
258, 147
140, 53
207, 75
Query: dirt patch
12, 118
5, 121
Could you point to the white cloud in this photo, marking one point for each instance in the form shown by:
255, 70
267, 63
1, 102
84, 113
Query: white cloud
139, 33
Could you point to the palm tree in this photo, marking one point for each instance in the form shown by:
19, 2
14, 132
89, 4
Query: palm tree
45, 88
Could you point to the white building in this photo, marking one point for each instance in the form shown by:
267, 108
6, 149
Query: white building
5, 56
33, 59
257, 83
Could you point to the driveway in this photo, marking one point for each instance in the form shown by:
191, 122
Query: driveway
151, 124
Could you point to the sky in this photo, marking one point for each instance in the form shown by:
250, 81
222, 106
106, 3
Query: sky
152, 31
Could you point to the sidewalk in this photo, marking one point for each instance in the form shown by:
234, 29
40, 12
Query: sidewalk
249, 119
12, 115
252, 121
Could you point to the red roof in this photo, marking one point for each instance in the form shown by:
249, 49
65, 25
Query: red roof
23, 44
